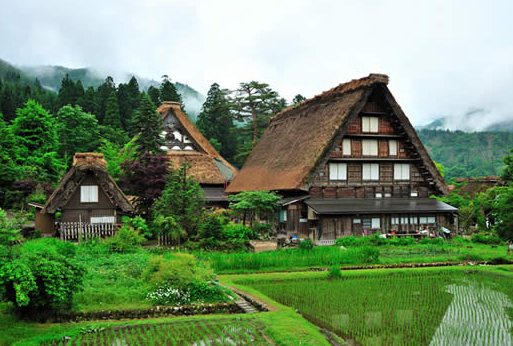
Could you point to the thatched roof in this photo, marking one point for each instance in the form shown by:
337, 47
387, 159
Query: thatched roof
207, 166
299, 138
84, 163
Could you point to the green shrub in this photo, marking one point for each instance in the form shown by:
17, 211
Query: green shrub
139, 224
261, 230
486, 239
470, 257
9, 230
347, 241
168, 226
368, 255
179, 270
237, 230
126, 239
306, 245
334, 273
40, 278
432, 241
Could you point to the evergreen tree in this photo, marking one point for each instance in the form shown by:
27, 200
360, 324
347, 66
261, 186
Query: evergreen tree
78, 131
150, 126
216, 123
182, 199
507, 173
88, 101
102, 95
112, 117
67, 92
7, 102
154, 95
168, 91
7, 158
298, 99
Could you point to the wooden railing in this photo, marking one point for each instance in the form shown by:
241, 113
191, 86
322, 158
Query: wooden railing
73, 231
325, 242
164, 240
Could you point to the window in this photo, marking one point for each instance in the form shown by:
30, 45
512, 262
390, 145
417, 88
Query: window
392, 147
431, 219
357, 221
102, 219
379, 195
404, 220
177, 135
283, 216
414, 220
376, 222
370, 124
402, 171
370, 171
89, 194
188, 148
338, 171
346, 146
423, 219
414, 193
176, 147
396, 221
366, 223
388, 195
370, 147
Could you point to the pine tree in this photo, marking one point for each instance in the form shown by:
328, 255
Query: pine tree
88, 101
150, 126
216, 123
168, 91
112, 117
154, 95
7, 157
67, 92
78, 131
102, 95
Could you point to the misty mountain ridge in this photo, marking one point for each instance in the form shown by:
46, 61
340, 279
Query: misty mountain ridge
477, 119
50, 78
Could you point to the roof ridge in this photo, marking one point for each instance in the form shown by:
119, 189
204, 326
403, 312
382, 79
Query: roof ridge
342, 88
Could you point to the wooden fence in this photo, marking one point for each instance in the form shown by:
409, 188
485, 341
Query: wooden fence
164, 240
73, 231
325, 242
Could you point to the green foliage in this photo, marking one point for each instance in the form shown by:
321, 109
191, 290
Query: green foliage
126, 239
253, 204
486, 239
374, 240
168, 226
440, 168
306, 245
507, 172
138, 224
115, 155
8, 170
215, 122
41, 277
112, 117
9, 230
182, 199
150, 126
168, 91
78, 131
467, 154
369, 255
181, 269
334, 273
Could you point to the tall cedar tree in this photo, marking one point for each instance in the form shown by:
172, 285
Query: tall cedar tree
88, 101
154, 95
216, 123
112, 117
168, 91
145, 176
102, 95
150, 126
254, 103
7, 154
182, 199
78, 131
507, 173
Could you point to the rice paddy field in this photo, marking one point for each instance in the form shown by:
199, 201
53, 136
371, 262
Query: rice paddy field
204, 332
435, 307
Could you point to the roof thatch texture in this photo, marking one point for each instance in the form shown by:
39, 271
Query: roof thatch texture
299, 137
207, 167
82, 164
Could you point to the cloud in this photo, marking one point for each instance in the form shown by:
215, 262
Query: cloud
444, 58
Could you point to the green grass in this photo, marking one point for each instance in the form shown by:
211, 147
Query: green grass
327, 256
399, 307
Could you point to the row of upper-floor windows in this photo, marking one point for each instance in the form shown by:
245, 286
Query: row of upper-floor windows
370, 171
369, 147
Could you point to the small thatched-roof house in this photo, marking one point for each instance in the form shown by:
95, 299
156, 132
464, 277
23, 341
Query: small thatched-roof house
88, 194
334, 155
185, 143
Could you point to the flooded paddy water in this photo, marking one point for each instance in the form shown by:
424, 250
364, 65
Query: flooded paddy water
432, 309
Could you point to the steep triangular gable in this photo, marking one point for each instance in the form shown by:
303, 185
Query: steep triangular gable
427, 167
82, 164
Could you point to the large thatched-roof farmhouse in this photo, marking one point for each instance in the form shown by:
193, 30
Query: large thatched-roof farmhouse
185, 143
348, 162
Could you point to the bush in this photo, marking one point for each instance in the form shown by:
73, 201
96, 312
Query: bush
139, 224
168, 226
179, 270
486, 239
126, 239
261, 230
40, 278
306, 245
432, 241
368, 255
237, 231
334, 273
9, 230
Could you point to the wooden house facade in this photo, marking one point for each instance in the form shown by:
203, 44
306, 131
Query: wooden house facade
87, 195
185, 143
348, 162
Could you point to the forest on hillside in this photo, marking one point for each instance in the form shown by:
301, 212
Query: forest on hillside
467, 154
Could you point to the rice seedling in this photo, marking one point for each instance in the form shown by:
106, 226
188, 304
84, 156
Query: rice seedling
204, 332
437, 308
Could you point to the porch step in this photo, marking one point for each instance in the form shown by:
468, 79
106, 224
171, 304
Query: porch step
245, 306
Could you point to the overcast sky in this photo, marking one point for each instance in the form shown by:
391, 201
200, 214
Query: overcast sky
443, 57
